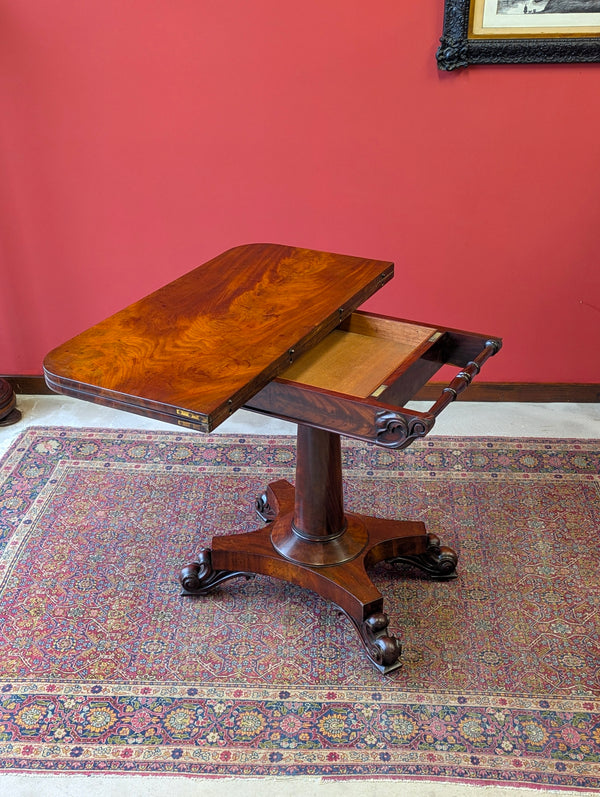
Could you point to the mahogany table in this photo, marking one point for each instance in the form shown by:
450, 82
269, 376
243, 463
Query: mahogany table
275, 329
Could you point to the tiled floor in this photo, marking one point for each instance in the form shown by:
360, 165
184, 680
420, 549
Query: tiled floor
462, 418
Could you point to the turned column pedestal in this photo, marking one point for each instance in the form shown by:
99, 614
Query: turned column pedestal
275, 329
311, 541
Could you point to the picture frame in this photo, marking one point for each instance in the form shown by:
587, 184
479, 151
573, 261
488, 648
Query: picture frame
519, 32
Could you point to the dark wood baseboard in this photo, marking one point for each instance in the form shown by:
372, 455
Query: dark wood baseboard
28, 385
535, 392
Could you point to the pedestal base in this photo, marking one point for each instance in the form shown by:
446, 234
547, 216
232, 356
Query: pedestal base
340, 576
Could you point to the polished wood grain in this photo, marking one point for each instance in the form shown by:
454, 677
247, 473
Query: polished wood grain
197, 348
250, 327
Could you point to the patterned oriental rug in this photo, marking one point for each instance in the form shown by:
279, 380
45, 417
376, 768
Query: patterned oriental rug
105, 667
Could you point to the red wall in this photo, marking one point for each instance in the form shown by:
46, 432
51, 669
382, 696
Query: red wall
139, 138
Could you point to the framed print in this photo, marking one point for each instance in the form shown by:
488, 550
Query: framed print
519, 31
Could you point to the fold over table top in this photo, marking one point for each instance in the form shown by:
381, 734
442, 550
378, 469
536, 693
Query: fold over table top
201, 346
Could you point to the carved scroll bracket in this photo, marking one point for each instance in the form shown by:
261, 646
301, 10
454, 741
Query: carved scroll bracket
383, 649
200, 578
396, 430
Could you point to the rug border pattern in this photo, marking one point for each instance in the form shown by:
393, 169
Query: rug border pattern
343, 762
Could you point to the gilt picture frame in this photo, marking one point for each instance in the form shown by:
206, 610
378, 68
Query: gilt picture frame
519, 32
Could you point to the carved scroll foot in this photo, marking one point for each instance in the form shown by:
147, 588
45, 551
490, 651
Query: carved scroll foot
438, 560
264, 510
383, 650
199, 577
276, 500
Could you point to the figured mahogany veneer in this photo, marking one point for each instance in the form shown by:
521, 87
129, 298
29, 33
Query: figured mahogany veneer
272, 328
199, 347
